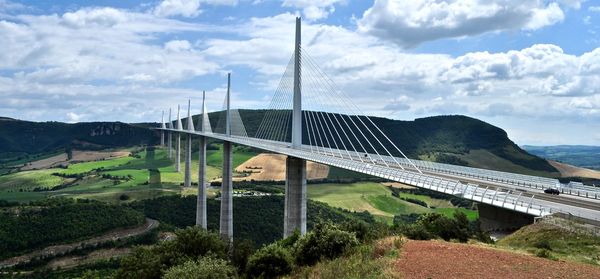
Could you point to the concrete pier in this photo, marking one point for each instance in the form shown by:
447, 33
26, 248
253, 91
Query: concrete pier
187, 181
170, 134
295, 196
492, 218
201, 202
162, 132
178, 152
226, 222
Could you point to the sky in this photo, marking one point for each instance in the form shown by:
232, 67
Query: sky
531, 67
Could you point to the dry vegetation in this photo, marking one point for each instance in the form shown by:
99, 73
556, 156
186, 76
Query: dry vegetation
572, 171
266, 167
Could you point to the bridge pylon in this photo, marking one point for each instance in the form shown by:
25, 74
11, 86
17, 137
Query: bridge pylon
188, 150
201, 201
295, 175
226, 216
170, 134
162, 132
178, 143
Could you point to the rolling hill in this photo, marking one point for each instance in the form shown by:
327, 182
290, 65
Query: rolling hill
451, 139
19, 138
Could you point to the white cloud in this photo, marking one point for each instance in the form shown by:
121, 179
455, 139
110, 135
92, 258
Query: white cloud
595, 9
314, 9
409, 23
185, 8
178, 45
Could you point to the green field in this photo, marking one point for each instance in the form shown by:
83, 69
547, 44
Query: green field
378, 200
149, 174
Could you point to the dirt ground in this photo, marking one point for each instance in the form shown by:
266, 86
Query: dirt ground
437, 259
86, 156
268, 166
78, 156
73, 261
46, 163
568, 170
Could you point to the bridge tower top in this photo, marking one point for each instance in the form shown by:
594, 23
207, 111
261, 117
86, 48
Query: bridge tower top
162, 120
228, 104
170, 125
179, 126
190, 122
297, 101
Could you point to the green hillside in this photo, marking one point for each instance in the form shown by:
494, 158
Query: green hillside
19, 138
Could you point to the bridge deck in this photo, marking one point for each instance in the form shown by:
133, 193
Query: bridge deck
513, 194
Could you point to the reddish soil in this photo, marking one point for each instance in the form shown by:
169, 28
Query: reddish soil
437, 259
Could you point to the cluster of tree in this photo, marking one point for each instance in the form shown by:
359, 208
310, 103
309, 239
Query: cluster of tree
415, 201
60, 220
435, 225
450, 159
259, 219
197, 253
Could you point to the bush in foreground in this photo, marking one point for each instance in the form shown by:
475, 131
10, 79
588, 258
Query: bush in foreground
325, 241
204, 268
270, 261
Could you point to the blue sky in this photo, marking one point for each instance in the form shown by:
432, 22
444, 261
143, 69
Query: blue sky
531, 67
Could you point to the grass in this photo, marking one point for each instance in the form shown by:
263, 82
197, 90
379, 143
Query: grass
374, 260
151, 175
487, 160
375, 198
241, 154
568, 244
28, 180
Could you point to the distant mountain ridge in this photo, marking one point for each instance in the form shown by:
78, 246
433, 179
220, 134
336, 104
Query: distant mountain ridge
19, 136
454, 139
584, 156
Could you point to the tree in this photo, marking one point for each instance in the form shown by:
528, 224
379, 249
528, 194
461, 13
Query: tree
204, 268
271, 261
325, 241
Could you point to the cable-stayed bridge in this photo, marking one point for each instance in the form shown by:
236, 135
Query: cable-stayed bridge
310, 119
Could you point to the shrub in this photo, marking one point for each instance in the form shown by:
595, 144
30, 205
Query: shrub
190, 244
544, 253
270, 262
325, 241
543, 244
433, 225
204, 268
123, 197
194, 241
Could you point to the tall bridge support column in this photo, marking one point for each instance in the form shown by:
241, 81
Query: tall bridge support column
187, 182
493, 218
170, 140
178, 153
295, 196
162, 138
201, 202
226, 222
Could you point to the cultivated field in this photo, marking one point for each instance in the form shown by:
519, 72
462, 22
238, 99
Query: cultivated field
271, 167
378, 200
572, 171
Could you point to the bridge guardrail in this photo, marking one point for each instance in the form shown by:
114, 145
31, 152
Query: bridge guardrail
504, 198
